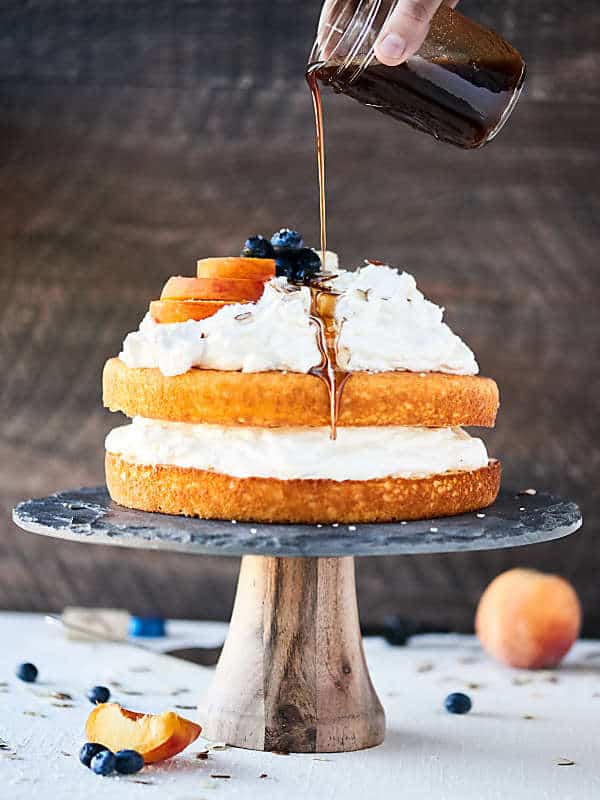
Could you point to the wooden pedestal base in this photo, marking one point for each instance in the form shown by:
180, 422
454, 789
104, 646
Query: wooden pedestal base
292, 675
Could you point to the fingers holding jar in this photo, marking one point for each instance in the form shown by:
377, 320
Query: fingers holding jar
406, 29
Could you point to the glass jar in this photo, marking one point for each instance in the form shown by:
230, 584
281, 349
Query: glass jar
460, 87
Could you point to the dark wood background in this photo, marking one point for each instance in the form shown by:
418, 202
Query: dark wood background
139, 135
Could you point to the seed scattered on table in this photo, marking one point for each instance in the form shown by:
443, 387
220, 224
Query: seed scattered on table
550, 678
518, 681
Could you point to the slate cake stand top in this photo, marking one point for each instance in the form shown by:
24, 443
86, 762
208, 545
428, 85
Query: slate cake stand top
89, 515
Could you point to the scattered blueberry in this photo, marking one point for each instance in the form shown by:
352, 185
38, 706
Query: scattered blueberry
398, 630
98, 694
285, 264
457, 703
286, 239
88, 751
27, 672
258, 247
103, 763
128, 761
147, 626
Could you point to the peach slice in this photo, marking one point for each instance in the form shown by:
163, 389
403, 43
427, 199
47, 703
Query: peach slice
237, 267
179, 288
182, 310
528, 619
154, 736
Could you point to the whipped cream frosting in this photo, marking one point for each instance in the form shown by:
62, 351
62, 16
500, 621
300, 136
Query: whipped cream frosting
385, 323
290, 453
273, 334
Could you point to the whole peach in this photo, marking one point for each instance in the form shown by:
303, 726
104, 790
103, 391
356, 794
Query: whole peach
528, 619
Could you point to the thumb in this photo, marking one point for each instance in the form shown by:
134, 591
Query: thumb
405, 30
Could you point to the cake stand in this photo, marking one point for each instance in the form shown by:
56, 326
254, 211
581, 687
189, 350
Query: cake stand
292, 676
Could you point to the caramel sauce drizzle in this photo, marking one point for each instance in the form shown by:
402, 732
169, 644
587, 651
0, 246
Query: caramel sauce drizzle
313, 84
327, 340
325, 324
322, 318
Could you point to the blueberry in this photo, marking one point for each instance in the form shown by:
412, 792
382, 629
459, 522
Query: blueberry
258, 247
308, 264
27, 672
103, 763
98, 694
309, 259
285, 264
286, 239
88, 751
457, 703
128, 761
398, 630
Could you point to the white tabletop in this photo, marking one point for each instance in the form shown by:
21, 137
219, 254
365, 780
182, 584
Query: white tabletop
524, 730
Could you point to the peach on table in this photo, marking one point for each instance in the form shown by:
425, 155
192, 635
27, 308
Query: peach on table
528, 619
154, 736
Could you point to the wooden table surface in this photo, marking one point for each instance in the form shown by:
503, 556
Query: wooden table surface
518, 742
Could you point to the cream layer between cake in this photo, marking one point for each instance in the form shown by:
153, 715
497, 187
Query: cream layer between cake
358, 453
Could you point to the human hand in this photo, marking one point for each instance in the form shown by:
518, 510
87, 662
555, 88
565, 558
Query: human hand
406, 29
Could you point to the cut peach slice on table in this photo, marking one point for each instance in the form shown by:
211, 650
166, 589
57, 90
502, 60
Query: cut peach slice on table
154, 736
179, 288
237, 267
181, 310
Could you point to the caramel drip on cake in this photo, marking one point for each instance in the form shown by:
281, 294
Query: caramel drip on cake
322, 317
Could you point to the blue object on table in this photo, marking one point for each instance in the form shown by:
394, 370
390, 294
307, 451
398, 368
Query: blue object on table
27, 672
458, 703
147, 626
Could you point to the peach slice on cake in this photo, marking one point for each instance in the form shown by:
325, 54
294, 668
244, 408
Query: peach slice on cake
166, 311
233, 289
237, 267
154, 736
239, 289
